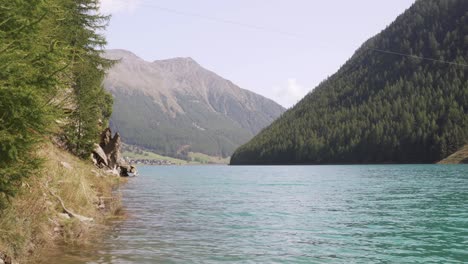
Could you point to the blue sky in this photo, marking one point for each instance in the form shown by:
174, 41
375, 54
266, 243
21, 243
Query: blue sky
280, 49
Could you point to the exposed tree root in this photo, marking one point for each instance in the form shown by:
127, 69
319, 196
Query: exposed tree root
69, 212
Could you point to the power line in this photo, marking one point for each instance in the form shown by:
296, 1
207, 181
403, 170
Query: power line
281, 32
221, 20
417, 57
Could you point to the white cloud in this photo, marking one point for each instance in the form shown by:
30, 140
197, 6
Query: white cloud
291, 93
119, 6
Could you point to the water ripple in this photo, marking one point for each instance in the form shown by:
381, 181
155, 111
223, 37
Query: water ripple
297, 214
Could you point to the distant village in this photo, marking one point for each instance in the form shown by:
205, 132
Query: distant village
148, 162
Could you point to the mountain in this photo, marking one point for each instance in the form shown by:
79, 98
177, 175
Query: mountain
383, 105
459, 157
174, 106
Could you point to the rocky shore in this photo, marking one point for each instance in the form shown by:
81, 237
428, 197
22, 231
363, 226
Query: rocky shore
107, 155
67, 203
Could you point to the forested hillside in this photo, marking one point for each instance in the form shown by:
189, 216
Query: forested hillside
459, 157
51, 73
386, 104
176, 106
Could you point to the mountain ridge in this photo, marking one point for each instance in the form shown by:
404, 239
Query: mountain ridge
179, 97
381, 107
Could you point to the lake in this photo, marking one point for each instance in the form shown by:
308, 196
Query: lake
289, 214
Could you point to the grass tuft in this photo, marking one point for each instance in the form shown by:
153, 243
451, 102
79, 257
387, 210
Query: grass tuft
35, 219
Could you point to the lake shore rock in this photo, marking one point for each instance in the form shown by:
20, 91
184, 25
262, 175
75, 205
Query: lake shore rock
107, 155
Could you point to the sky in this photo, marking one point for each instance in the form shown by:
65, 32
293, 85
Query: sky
281, 49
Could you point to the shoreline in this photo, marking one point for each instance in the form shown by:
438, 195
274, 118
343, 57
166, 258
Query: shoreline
67, 203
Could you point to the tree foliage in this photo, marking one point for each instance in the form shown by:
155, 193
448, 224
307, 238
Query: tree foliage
88, 70
382, 107
49, 54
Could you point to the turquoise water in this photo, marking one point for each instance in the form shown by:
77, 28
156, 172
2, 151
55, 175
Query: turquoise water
290, 214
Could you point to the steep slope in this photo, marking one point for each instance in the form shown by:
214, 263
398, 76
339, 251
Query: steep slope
459, 157
174, 106
382, 107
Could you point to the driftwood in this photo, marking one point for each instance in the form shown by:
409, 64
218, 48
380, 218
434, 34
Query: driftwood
69, 212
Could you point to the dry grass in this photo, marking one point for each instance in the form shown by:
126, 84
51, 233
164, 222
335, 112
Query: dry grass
459, 157
34, 220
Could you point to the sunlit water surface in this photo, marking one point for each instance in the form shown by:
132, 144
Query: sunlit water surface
289, 214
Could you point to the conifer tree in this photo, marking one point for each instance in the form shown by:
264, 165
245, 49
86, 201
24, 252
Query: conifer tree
49, 50
382, 107
28, 62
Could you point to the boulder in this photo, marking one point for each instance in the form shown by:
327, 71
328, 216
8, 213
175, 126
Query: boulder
99, 155
126, 170
111, 147
113, 155
107, 154
106, 136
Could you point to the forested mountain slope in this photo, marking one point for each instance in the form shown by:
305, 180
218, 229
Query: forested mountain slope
382, 107
174, 106
459, 157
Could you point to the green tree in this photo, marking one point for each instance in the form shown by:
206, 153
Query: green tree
382, 107
49, 51
92, 103
29, 63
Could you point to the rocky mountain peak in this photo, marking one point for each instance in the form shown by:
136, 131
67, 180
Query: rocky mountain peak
179, 64
176, 102
121, 54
